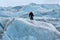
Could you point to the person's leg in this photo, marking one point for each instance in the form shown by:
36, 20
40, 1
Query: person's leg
31, 18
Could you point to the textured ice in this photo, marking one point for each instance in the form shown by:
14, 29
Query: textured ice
41, 10
24, 30
17, 28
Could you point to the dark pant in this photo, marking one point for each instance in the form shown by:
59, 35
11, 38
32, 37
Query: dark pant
31, 18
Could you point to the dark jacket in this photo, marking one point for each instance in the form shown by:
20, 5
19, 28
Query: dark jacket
31, 15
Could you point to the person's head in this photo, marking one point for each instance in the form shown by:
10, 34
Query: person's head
31, 12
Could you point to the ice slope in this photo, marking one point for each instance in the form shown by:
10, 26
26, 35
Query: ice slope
22, 29
41, 10
54, 21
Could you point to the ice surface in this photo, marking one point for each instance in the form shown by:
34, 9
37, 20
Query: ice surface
22, 29
14, 26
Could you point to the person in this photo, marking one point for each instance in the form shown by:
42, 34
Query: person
31, 15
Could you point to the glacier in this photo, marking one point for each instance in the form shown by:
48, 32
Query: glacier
15, 23
24, 29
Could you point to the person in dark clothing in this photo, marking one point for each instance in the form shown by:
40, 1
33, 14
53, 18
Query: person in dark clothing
31, 15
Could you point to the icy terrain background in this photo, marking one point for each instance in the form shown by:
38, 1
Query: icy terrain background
15, 23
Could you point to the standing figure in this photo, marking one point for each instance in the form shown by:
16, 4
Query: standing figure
31, 15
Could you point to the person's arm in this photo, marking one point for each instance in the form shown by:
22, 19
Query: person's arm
33, 14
